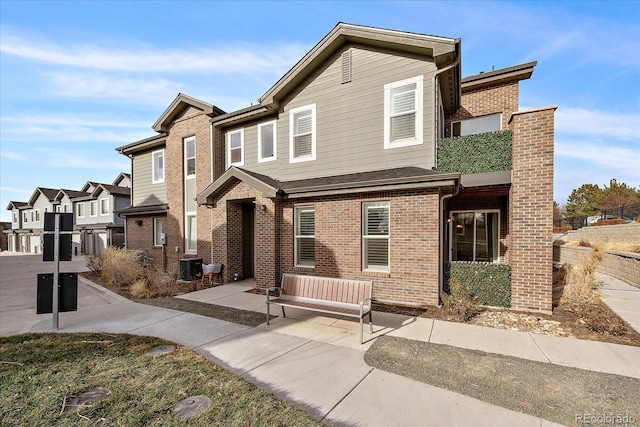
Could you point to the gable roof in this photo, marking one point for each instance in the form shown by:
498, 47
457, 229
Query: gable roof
71, 194
17, 205
443, 49
178, 105
49, 193
115, 190
121, 177
381, 180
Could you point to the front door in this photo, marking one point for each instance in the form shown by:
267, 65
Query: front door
248, 240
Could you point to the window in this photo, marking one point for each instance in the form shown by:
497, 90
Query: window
15, 217
104, 206
375, 236
482, 124
80, 210
403, 113
58, 208
157, 166
93, 208
37, 215
305, 228
32, 216
190, 194
191, 236
157, 231
66, 207
302, 134
475, 236
47, 208
235, 141
267, 142
25, 217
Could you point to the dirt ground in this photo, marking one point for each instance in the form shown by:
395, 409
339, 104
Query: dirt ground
555, 393
565, 321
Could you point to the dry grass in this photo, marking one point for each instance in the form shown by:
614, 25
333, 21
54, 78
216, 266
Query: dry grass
460, 303
580, 278
122, 267
603, 246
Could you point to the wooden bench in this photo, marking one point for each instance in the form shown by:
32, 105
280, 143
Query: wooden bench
344, 297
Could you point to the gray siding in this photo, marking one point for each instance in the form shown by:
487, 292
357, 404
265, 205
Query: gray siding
144, 191
349, 119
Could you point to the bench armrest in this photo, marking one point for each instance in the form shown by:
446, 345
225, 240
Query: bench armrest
362, 305
274, 289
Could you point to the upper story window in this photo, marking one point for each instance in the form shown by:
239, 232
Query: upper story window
58, 207
93, 208
25, 217
302, 134
15, 217
403, 116
475, 236
235, 142
33, 217
190, 156
375, 236
267, 145
80, 210
37, 211
104, 206
157, 166
66, 207
490, 123
305, 230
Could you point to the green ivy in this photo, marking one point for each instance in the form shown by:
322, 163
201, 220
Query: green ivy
489, 283
480, 153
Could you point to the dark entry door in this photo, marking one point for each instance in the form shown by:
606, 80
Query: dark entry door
248, 240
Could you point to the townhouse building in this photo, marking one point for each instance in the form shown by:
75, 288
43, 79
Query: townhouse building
372, 158
96, 226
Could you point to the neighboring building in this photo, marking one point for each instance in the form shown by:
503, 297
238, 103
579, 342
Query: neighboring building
95, 224
168, 171
345, 168
4, 242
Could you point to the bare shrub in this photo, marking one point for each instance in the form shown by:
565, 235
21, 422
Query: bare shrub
460, 302
616, 221
599, 320
161, 284
581, 280
584, 243
557, 230
620, 247
94, 263
122, 267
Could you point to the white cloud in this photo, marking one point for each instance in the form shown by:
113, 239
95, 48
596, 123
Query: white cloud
255, 58
617, 159
53, 119
11, 155
582, 121
16, 190
84, 160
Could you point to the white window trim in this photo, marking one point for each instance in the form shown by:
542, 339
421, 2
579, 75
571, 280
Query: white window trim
155, 234
107, 210
15, 218
80, 206
187, 140
241, 162
275, 142
367, 237
66, 207
419, 138
187, 249
497, 211
37, 219
311, 157
91, 204
154, 166
296, 236
476, 117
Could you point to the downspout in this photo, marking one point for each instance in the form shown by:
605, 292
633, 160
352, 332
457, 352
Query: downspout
213, 165
456, 190
435, 101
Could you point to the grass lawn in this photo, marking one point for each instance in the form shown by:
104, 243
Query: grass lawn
40, 373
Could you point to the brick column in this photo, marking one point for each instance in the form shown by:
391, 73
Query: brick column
531, 210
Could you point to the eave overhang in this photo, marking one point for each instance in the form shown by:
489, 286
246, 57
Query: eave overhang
232, 175
175, 108
143, 144
143, 210
496, 77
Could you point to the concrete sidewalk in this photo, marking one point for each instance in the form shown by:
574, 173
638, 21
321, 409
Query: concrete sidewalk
315, 361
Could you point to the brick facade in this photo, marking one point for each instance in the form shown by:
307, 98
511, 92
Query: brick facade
531, 209
501, 98
140, 236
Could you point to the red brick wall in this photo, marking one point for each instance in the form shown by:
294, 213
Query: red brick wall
141, 236
531, 209
490, 100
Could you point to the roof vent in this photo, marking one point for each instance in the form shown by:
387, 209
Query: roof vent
346, 66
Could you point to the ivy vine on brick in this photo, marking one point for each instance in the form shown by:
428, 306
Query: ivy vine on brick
489, 283
480, 153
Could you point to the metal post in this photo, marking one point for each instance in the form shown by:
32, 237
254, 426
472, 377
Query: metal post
56, 270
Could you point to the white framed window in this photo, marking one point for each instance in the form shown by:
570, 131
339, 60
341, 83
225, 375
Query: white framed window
235, 148
93, 208
302, 134
190, 195
80, 210
15, 217
403, 117
157, 166
157, 231
47, 208
58, 207
267, 142
66, 207
25, 217
190, 156
375, 236
483, 124
104, 206
37, 211
191, 238
304, 241
475, 236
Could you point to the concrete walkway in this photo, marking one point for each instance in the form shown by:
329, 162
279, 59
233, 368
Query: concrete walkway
313, 361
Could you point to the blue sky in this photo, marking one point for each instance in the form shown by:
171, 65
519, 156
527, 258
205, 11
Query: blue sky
78, 79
